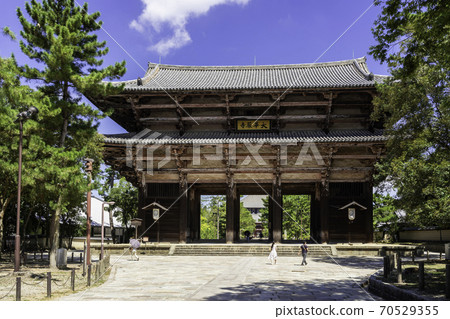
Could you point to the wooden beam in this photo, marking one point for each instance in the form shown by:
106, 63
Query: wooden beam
262, 170
286, 118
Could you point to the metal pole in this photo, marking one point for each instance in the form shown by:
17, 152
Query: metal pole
18, 288
19, 188
421, 275
88, 212
89, 276
72, 279
49, 284
103, 230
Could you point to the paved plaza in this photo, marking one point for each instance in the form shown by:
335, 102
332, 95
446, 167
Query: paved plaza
234, 278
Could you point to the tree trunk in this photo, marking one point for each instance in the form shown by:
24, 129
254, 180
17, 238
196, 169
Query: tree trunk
54, 233
4, 205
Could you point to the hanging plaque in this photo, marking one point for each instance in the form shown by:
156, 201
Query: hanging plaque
252, 125
351, 213
155, 213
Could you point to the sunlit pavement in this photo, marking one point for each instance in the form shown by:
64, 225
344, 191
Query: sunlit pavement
234, 278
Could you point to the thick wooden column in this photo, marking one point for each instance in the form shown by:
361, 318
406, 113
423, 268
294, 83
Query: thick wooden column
231, 213
323, 216
277, 212
277, 199
142, 202
368, 191
191, 234
315, 214
184, 207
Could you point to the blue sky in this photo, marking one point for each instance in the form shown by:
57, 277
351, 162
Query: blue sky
222, 32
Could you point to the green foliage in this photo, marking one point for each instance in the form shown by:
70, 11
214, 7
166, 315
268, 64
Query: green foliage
414, 39
59, 36
125, 197
247, 223
214, 205
15, 98
296, 216
385, 218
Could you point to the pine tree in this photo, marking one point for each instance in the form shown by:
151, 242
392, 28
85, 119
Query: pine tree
15, 98
60, 37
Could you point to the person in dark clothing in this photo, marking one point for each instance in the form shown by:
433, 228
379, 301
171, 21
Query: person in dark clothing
304, 251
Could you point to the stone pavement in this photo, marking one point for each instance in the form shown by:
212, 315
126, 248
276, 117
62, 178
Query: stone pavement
234, 278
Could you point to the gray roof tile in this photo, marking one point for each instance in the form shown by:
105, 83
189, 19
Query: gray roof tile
249, 137
349, 73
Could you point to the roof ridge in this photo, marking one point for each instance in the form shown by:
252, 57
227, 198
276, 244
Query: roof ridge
256, 67
367, 75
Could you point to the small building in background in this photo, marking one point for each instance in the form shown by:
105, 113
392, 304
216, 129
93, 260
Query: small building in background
254, 203
96, 222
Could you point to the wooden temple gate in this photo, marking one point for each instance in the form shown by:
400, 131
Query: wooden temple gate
270, 130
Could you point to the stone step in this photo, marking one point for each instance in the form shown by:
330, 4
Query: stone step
246, 250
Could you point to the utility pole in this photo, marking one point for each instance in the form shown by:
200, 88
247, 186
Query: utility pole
218, 220
21, 117
88, 169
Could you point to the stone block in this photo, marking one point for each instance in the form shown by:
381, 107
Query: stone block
61, 258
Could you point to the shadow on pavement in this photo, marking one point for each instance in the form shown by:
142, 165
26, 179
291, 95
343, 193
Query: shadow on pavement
352, 261
321, 290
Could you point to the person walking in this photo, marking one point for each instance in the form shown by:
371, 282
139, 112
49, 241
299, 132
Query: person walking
304, 251
134, 245
273, 254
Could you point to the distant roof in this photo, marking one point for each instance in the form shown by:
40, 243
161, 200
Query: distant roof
349, 74
210, 137
253, 201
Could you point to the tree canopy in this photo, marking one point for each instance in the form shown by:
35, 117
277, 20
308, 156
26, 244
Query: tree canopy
413, 37
60, 37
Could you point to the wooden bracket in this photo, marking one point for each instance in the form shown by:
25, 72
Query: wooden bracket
179, 110
134, 102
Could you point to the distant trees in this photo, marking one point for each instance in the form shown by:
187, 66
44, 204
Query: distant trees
213, 218
296, 216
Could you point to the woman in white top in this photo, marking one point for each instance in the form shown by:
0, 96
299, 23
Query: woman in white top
273, 254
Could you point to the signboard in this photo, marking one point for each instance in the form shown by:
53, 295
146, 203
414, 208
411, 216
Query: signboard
155, 213
252, 125
351, 213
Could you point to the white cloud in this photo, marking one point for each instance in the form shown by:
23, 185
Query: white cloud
174, 15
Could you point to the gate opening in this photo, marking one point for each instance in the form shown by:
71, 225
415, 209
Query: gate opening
253, 217
296, 217
213, 217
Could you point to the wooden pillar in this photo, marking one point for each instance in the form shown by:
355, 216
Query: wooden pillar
184, 207
191, 215
277, 213
237, 217
323, 215
197, 217
230, 235
368, 191
270, 225
142, 201
315, 214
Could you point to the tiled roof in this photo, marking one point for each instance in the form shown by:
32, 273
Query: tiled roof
348, 73
253, 201
208, 137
